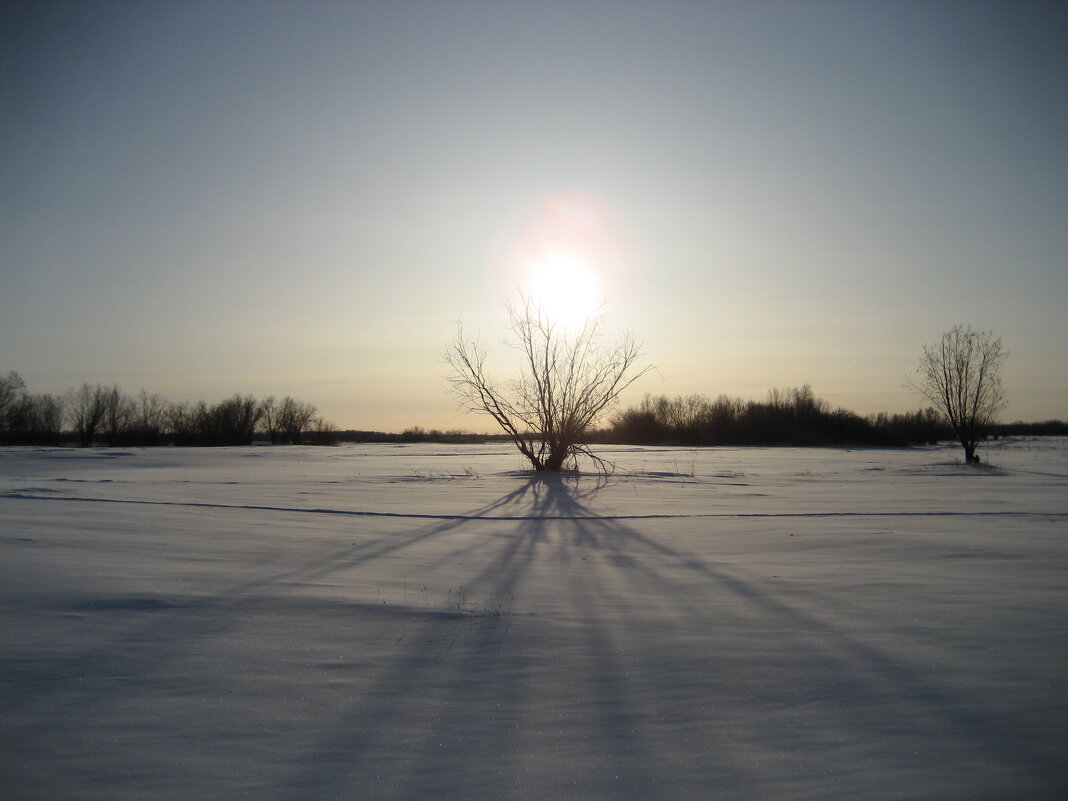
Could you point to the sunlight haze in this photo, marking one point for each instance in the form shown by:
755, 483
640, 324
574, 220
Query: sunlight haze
204, 198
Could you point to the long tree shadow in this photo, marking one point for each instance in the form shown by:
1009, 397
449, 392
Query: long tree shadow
920, 700
553, 527
180, 620
464, 696
630, 754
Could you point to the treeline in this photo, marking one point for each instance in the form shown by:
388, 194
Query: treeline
788, 417
97, 414
1047, 428
418, 434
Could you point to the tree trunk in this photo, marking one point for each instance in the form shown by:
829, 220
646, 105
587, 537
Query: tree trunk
555, 462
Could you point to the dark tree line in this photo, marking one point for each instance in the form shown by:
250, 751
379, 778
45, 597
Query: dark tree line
787, 417
790, 417
416, 434
95, 414
26, 417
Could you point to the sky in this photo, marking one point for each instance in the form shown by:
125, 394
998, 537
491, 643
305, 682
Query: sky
204, 198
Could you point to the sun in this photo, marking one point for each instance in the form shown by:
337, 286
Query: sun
564, 286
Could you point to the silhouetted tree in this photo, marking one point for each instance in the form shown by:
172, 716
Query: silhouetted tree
151, 418
34, 420
567, 382
323, 432
924, 426
86, 407
285, 422
46, 419
181, 422
12, 397
229, 422
120, 411
961, 376
269, 418
292, 418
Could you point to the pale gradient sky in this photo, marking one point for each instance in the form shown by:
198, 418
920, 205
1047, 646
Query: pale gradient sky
302, 198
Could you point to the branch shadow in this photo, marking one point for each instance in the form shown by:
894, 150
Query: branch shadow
629, 752
634, 702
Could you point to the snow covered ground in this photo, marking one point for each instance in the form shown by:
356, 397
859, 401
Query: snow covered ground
429, 622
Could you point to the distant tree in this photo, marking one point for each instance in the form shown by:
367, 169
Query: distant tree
151, 417
46, 418
12, 397
414, 434
961, 376
229, 422
269, 418
35, 420
323, 431
925, 426
120, 412
641, 425
568, 381
180, 422
86, 407
292, 418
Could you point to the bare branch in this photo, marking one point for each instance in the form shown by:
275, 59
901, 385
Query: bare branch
961, 376
567, 383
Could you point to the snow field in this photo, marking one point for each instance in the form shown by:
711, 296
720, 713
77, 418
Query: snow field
430, 622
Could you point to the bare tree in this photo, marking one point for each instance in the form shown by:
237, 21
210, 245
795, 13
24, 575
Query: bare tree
151, 417
292, 418
323, 431
961, 376
568, 382
181, 421
269, 418
120, 413
286, 421
229, 422
86, 407
12, 398
47, 418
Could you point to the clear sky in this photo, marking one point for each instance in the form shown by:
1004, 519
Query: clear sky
303, 198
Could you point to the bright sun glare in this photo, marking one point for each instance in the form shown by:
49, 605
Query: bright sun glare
565, 286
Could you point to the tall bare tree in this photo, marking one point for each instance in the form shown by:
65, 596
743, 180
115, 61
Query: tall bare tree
568, 381
961, 376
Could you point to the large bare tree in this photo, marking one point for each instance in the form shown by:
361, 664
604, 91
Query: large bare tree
961, 376
568, 381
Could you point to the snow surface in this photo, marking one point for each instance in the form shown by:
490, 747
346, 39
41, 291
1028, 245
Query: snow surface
431, 622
